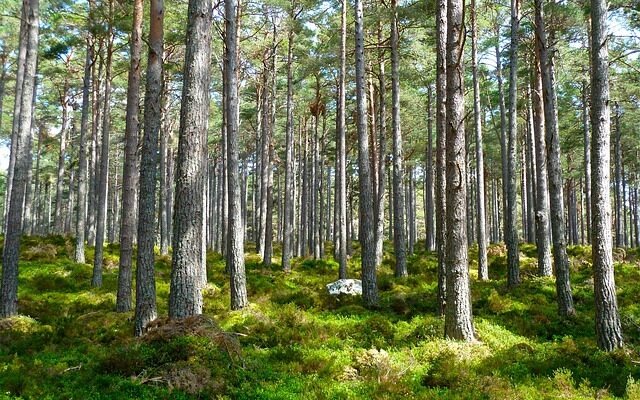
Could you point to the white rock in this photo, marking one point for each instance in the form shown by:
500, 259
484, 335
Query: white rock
351, 287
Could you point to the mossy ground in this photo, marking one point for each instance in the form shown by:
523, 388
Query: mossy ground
296, 342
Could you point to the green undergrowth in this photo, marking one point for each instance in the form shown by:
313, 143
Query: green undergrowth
296, 342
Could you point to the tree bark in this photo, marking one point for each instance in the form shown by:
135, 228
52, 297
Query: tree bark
511, 231
341, 147
608, 329
483, 265
366, 231
399, 239
542, 190
145, 310
235, 255
554, 168
123, 299
11, 253
441, 140
185, 296
428, 177
103, 182
458, 317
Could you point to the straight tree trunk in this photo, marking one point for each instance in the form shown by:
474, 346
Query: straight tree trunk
11, 253
399, 240
103, 181
458, 316
287, 223
542, 190
618, 178
145, 310
608, 329
441, 140
185, 295
81, 210
235, 255
511, 230
62, 158
503, 130
428, 184
123, 299
366, 231
341, 147
587, 158
483, 265
561, 261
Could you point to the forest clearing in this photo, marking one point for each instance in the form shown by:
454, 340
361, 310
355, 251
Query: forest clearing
313, 199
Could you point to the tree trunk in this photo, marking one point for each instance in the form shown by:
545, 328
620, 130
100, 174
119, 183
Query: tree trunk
123, 299
366, 231
483, 266
542, 192
458, 317
428, 184
561, 261
104, 162
608, 330
511, 231
185, 296
235, 255
145, 310
618, 178
587, 158
62, 158
399, 240
11, 253
341, 147
441, 140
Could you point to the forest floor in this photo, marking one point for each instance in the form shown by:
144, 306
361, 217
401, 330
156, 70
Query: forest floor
296, 342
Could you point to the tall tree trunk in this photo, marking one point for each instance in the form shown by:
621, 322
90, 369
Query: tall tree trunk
441, 139
164, 133
511, 230
399, 240
11, 253
185, 296
554, 168
483, 265
17, 103
428, 177
587, 158
458, 317
62, 158
287, 223
145, 310
366, 231
103, 182
81, 210
235, 255
341, 147
503, 130
542, 191
608, 330
618, 177
123, 299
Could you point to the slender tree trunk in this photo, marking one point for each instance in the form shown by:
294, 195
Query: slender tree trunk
608, 330
235, 256
587, 158
511, 231
341, 147
145, 310
104, 162
123, 299
503, 131
81, 210
458, 317
62, 158
428, 184
441, 140
483, 265
561, 261
11, 253
618, 177
399, 240
366, 231
542, 204
185, 296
